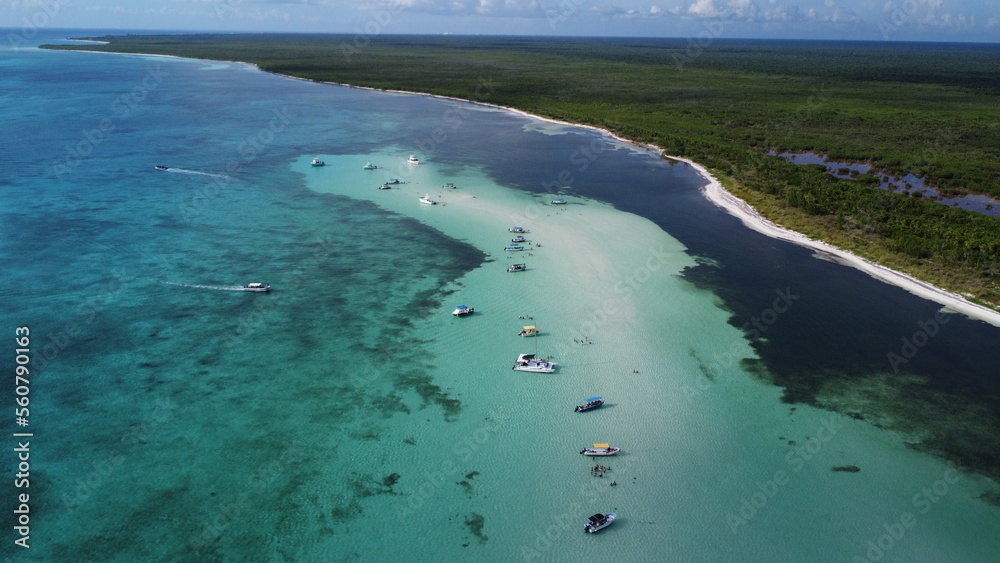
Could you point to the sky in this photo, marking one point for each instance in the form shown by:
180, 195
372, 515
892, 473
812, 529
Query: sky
697, 20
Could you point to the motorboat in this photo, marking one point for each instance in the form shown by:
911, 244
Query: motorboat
517, 268
385, 187
369, 166
600, 449
257, 287
161, 167
513, 246
317, 162
529, 331
427, 200
518, 238
558, 201
528, 362
462, 311
598, 522
449, 186
589, 404
517, 230
392, 181
413, 159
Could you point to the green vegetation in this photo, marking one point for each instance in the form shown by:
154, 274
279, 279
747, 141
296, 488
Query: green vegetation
931, 110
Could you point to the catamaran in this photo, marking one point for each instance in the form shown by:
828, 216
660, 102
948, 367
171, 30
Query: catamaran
528, 362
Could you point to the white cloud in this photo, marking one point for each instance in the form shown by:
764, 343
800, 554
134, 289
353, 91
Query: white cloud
609, 11
724, 9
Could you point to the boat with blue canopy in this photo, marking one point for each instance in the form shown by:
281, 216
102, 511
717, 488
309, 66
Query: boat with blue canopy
589, 404
462, 311
514, 246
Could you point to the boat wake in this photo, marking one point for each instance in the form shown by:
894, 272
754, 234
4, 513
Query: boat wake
197, 172
199, 286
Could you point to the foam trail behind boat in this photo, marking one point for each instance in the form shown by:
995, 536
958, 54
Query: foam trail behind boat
199, 286
184, 171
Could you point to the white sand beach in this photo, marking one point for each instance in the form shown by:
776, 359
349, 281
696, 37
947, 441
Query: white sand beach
714, 191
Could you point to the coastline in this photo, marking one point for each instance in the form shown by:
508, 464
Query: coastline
730, 203
717, 194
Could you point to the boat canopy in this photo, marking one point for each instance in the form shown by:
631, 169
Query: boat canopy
462, 307
601, 446
530, 328
592, 399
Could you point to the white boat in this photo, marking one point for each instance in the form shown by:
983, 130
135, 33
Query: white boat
529, 331
600, 449
449, 186
517, 268
528, 362
427, 200
385, 187
598, 522
413, 159
518, 238
161, 167
317, 162
517, 230
257, 287
462, 311
369, 166
559, 201
514, 246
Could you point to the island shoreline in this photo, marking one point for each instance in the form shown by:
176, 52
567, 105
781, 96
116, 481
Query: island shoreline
713, 190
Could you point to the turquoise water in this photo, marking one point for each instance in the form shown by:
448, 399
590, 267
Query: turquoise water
347, 415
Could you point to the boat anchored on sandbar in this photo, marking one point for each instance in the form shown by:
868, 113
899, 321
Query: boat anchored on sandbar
528, 362
529, 331
517, 268
426, 200
369, 166
317, 162
598, 522
514, 246
558, 201
600, 449
589, 404
413, 159
517, 230
462, 311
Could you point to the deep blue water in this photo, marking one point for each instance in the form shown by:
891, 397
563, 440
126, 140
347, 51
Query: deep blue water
97, 247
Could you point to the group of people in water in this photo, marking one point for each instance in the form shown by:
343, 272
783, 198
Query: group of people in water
599, 470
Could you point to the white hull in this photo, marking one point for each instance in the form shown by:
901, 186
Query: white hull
528, 362
592, 451
592, 527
